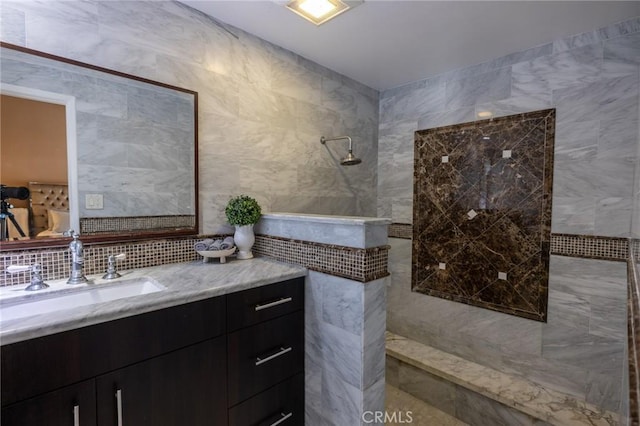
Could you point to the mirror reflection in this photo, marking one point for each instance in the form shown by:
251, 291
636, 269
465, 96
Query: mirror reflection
114, 151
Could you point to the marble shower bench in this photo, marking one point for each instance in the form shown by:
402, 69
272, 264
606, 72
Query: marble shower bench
480, 395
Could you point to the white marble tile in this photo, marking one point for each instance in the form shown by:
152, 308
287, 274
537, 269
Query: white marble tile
573, 214
12, 25
606, 391
296, 82
405, 405
446, 118
373, 400
341, 402
475, 409
374, 327
413, 104
343, 304
560, 70
431, 389
489, 86
621, 54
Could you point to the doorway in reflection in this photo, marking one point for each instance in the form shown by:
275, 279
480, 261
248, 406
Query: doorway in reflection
34, 149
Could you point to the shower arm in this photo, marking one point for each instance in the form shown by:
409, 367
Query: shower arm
324, 140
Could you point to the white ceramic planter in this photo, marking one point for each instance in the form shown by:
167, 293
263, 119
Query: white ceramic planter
244, 239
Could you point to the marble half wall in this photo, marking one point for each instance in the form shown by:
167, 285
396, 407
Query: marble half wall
482, 212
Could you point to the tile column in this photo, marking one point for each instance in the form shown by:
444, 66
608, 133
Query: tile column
345, 317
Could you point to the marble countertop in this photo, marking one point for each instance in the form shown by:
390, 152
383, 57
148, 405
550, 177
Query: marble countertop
183, 282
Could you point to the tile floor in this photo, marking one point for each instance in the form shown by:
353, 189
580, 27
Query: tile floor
410, 410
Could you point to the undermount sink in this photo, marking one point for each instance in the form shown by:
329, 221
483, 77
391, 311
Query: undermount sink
38, 304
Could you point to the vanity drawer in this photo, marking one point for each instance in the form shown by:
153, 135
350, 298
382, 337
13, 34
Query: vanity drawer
255, 305
263, 355
282, 403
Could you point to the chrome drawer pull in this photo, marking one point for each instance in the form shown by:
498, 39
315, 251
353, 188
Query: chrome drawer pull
276, 355
284, 417
272, 304
76, 415
119, 405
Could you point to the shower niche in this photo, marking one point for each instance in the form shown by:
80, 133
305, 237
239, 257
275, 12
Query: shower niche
482, 213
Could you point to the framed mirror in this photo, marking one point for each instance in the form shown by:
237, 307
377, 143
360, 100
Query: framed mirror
130, 146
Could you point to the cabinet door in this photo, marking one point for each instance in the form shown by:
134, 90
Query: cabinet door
73, 405
185, 387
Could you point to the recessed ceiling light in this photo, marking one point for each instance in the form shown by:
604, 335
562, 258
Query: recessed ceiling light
320, 11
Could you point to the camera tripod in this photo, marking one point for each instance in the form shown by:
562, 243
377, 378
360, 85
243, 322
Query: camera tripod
4, 225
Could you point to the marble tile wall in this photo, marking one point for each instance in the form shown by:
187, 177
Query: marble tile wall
262, 109
592, 80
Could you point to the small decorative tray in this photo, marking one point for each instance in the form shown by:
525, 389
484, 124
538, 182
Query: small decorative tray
222, 254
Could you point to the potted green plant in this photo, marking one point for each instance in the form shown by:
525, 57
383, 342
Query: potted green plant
243, 212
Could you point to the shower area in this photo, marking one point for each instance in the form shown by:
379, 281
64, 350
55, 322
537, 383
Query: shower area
459, 336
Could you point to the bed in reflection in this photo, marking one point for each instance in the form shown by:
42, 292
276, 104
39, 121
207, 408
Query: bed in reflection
49, 209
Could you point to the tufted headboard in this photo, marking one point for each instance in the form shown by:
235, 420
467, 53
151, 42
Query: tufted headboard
45, 196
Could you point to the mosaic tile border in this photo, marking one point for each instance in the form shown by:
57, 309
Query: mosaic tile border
100, 225
633, 330
401, 230
590, 246
356, 264
571, 245
56, 262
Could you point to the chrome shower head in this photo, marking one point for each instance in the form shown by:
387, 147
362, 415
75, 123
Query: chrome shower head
350, 159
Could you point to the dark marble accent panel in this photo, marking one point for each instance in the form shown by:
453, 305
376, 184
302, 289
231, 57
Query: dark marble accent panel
482, 212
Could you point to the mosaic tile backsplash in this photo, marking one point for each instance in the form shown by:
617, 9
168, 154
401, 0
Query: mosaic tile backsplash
482, 212
362, 265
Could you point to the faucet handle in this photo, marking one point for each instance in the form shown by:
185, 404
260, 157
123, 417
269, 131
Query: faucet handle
71, 233
36, 275
111, 266
14, 269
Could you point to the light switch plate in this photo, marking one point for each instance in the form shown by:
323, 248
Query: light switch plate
93, 201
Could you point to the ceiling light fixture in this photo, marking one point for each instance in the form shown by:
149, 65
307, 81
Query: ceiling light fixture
320, 11
485, 114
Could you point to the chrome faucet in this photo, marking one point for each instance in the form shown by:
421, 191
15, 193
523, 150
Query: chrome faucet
77, 261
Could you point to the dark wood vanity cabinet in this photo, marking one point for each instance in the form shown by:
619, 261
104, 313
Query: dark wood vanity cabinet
163, 368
